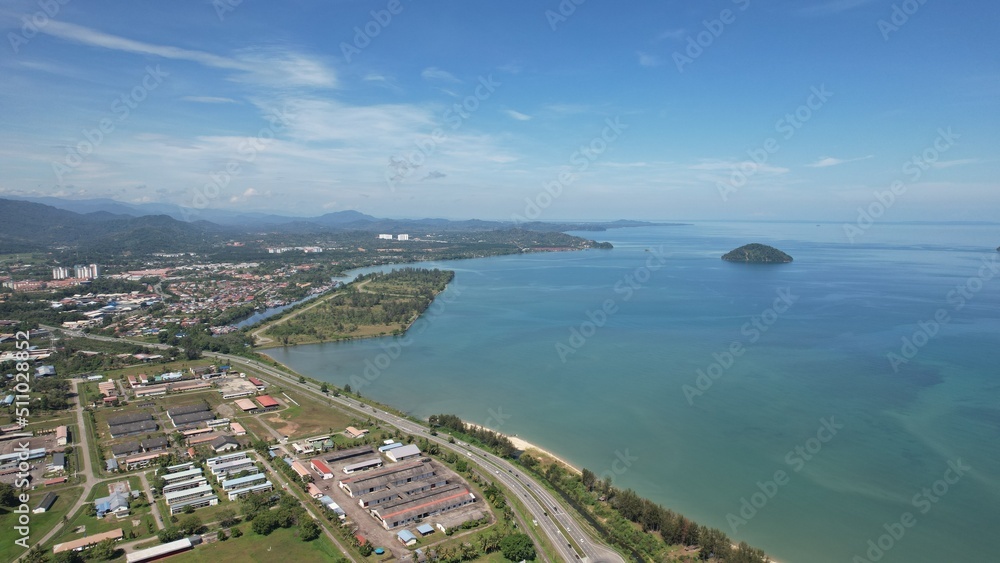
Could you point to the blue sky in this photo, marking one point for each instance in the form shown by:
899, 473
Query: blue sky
596, 110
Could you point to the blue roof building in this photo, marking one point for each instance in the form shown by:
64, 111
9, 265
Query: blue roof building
406, 537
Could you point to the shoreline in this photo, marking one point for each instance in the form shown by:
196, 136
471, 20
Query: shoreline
524, 446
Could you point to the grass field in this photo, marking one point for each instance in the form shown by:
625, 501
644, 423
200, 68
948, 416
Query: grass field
82, 524
40, 525
280, 545
309, 418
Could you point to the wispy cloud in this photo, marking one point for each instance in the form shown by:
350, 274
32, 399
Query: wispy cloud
518, 115
718, 165
671, 34
645, 59
209, 100
828, 161
831, 7
434, 175
92, 37
957, 162
434, 73
270, 66
511, 68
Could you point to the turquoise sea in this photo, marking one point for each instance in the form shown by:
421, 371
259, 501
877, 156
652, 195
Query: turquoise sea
811, 393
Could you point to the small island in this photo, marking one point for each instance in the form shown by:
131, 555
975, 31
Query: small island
756, 253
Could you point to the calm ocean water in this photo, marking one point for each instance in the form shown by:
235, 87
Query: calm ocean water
811, 392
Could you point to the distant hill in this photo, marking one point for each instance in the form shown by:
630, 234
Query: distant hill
26, 226
348, 220
756, 253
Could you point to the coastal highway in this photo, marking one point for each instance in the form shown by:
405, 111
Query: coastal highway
554, 520
544, 508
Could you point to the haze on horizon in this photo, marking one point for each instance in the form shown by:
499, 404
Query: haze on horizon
397, 108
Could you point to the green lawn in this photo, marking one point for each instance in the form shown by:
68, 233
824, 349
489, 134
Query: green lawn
40, 525
311, 417
94, 525
282, 544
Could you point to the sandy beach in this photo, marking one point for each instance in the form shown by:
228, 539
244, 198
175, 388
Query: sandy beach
528, 447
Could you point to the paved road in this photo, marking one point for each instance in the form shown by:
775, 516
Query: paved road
89, 480
544, 508
152, 502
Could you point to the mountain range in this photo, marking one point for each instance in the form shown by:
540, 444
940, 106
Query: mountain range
30, 224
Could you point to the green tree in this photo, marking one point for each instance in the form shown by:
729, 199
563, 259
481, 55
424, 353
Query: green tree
309, 530
67, 557
104, 551
189, 523
517, 547
36, 555
169, 534
8, 495
265, 523
324, 388
227, 517
302, 380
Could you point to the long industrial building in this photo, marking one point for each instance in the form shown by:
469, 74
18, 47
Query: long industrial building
230, 484
350, 453
437, 501
265, 486
393, 475
224, 469
186, 484
225, 458
158, 551
132, 428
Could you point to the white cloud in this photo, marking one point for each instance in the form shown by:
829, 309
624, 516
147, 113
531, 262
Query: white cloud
434, 73
957, 162
830, 161
518, 115
672, 34
276, 67
645, 59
